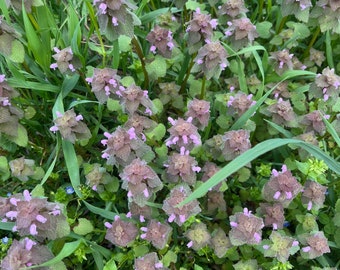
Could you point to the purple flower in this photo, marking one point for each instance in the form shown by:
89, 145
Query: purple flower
183, 134
236, 142
209, 169
282, 187
140, 212
157, 233
150, 261
273, 215
313, 195
198, 235
216, 201
282, 61
326, 85
233, 8
122, 146
241, 32
240, 103
105, 83
199, 110
132, 97
121, 233
38, 217
317, 57
315, 245
140, 181
282, 113
71, 126
161, 39
140, 124
245, 228
182, 213
211, 59
313, 121
182, 167
64, 60
96, 176
25, 253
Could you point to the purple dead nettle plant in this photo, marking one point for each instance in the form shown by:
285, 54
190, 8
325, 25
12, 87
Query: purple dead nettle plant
316, 57
169, 93
233, 8
97, 177
161, 40
296, 7
64, 60
26, 253
211, 59
215, 201
280, 246
241, 32
313, 195
219, 242
314, 122
121, 233
180, 214
273, 215
132, 97
334, 5
325, 86
71, 126
123, 146
141, 181
198, 236
199, 110
6, 92
282, 113
236, 142
282, 187
183, 134
38, 217
209, 169
315, 244
282, 61
105, 83
240, 103
181, 167
139, 212
22, 168
200, 28
280, 91
245, 228
214, 146
157, 233
149, 261
140, 123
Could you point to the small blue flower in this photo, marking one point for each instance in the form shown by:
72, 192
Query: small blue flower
5, 240
286, 224
69, 190
9, 194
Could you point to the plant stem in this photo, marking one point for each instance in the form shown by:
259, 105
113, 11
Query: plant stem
184, 83
142, 58
202, 96
311, 43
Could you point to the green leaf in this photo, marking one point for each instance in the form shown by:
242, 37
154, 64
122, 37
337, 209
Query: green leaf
140, 250
124, 43
84, 227
157, 133
110, 265
4, 168
38, 191
17, 52
286, 133
263, 29
157, 68
169, 257
7, 226
113, 105
331, 131
151, 16
337, 237
336, 219
66, 251
99, 211
21, 139
193, 5
254, 153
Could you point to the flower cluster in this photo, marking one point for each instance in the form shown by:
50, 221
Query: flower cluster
161, 39
199, 110
71, 126
273, 215
180, 214
236, 142
282, 61
26, 253
245, 228
96, 176
183, 167
313, 195
282, 187
37, 217
121, 233
232, 8
149, 261
241, 32
313, 122
198, 235
315, 245
64, 60
140, 181
22, 168
220, 243
105, 83
240, 103
123, 146
282, 113
183, 133
157, 233
140, 212
211, 59
200, 29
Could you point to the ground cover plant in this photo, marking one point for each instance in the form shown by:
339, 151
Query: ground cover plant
169, 134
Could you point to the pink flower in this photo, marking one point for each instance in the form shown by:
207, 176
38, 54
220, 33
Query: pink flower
232, 8
161, 39
157, 233
198, 235
132, 97
121, 233
199, 110
236, 142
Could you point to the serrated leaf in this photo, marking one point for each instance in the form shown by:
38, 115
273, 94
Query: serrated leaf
336, 219
157, 133
17, 52
169, 257
113, 105
140, 250
110, 265
84, 227
4, 168
157, 68
158, 105
38, 191
124, 43
193, 5
263, 29
337, 237
21, 139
